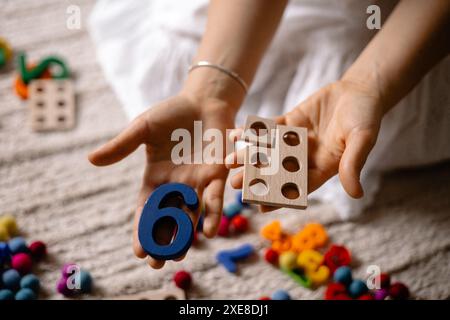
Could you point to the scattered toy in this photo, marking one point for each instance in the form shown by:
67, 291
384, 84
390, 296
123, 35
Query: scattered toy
182, 279
228, 258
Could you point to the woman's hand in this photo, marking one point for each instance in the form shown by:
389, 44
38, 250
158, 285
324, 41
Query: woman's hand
343, 120
154, 129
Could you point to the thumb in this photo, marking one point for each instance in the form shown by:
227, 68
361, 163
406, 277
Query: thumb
122, 145
358, 146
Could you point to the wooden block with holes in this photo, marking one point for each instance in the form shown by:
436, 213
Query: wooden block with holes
51, 105
277, 175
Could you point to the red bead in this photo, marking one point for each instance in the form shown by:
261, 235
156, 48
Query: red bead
265, 298
239, 223
366, 296
22, 263
336, 291
398, 291
337, 256
385, 280
182, 279
271, 256
38, 250
195, 240
223, 227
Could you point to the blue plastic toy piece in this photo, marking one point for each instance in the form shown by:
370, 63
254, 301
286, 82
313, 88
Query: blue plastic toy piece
239, 200
343, 275
30, 281
6, 294
280, 295
17, 245
153, 212
11, 279
25, 294
5, 253
357, 288
232, 210
228, 258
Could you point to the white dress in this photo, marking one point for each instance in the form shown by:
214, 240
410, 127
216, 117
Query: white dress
145, 48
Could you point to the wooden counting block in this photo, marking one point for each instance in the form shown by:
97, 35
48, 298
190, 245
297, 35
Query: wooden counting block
259, 131
52, 105
163, 294
277, 175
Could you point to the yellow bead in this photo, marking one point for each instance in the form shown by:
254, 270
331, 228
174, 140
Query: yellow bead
288, 260
5, 46
4, 236
311, 262
10, 224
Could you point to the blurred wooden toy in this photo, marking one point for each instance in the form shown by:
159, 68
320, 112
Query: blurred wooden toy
228, 258
52, 105
275, 165
163, 294
29, 74
5, 52
154, 211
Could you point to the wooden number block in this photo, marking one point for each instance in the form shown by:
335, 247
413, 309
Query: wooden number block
163, 294
52, 105
277, 175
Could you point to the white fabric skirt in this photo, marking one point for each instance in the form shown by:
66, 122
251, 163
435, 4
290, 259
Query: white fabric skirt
146, 47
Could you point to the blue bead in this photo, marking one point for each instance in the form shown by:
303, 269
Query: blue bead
228, 257
153, 212
85, 282
30, 281
200, 223
6, 294
5, 253
357, 288
232, 209
280, 295
239, 200
343, 275
17, 245
11, 279
25, 294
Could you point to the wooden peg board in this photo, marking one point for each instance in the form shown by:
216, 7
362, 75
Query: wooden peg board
254, 124
163, 294
282, 169
51, 105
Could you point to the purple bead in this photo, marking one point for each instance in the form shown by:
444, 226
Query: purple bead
68, 269
62, 288
380, 294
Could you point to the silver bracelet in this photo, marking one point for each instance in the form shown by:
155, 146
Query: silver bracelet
231, 73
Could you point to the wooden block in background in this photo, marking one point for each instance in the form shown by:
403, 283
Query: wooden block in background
162, 294
51, 105
283, 170
255, 124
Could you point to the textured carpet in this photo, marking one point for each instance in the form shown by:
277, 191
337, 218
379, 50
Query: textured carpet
85, 213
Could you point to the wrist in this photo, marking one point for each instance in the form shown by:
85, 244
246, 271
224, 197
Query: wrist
211, 85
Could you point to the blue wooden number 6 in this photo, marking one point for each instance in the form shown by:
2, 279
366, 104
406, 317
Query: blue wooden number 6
153, 212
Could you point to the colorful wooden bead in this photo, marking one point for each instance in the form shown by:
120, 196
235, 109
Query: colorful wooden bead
69, 269
22, 263
232, 209
224, 226
312, 236
283, 244
86, 281
336, 291
311, 262
30, 74
265, 298
5, 253
385, 281
343, 275
272, 231
228, 258
239, 224
25, 294
398, 291
4, 235
336, 257
271, 256
21, 89
288, 260
299, 276
357, 288
17, 245
11, 279
30, 281
152, 213
182, 279
62, 288
38, 250
6, 294
9, 222
366, 296
280, 295
381, 294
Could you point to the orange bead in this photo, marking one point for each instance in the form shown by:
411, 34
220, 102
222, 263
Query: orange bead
272, 231
21, 88
312, 236
282, 245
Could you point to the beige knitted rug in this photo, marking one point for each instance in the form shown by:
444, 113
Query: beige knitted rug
85, 213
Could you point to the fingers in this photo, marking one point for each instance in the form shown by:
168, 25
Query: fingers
122, 145
213, 197
235, 159
357, 149
237, 180
143, 195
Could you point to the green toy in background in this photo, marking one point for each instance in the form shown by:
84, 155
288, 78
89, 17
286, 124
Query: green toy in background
5, 52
